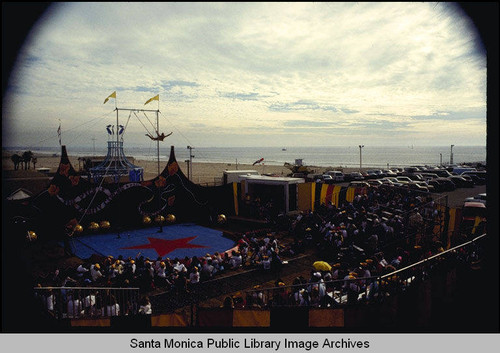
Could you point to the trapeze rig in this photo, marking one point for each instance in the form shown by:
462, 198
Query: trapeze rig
116, 167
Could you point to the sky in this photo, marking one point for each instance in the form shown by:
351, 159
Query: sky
250, 74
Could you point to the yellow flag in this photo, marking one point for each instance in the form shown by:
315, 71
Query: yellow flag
112, 95
155, 98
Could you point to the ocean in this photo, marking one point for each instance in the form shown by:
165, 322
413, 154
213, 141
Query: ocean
348, 156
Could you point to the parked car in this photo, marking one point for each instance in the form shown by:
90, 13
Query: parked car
327, 179
387, 181
355, 176
427, 176
478, 176
336, 175
426, 185
389, 172
446, 184
314, 177
478, 198
416, 186
411, 170
359, 184
374, 174
375, 182
438, 187
461, 182
394, 181
404, 179
460, 169
442, 173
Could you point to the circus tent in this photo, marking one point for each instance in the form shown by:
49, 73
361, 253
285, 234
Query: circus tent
72, 199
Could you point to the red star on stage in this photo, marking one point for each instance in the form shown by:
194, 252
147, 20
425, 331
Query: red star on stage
164, 247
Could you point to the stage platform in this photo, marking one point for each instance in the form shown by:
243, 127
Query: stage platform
174, 241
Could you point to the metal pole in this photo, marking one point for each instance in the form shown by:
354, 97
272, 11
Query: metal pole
451, 154
158, 141
190, 176
158, 161
117, 140
440, 159
360, 157
187, 162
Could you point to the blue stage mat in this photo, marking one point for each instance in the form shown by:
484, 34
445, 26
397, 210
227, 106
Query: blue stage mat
177, 240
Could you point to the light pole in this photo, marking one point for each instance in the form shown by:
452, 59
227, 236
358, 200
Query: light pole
187, 162
360, 157
190, 162
451, 154
441, 159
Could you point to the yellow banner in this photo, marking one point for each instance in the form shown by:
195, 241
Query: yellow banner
155, 98
112, 95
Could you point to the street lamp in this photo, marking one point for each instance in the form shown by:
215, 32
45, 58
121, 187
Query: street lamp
451, 154
190, 161
360, 158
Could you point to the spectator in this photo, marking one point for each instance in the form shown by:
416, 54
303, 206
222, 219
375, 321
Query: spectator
266, 263
95, 272
74, 306
194, 278
145, 308
228, 303
236, 259
113, 308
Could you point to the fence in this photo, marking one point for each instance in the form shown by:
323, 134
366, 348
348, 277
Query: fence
413, 292
369, 290
88, 302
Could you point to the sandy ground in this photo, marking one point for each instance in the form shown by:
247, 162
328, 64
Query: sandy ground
207, 174
202, 173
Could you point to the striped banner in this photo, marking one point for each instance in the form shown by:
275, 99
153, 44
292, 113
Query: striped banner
313, 196
351, 192
304, 196
235, 198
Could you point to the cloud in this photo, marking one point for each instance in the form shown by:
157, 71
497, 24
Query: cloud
364, 70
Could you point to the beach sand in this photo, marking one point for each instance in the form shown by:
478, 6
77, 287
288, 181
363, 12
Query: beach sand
206, 174
202, 173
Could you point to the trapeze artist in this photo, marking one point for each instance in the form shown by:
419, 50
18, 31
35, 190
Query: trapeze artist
159, 137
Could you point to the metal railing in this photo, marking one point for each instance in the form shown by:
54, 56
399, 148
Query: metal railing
87, 302
337, 293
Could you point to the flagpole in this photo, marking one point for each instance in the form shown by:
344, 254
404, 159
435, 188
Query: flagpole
158, 154
60, 133
158, 141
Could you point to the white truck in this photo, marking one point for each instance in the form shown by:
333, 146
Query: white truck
232, 176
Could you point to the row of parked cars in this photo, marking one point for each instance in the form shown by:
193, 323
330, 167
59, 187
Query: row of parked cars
428, 179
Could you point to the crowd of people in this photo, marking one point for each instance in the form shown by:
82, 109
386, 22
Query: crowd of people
378, 233
181, 277
375, 234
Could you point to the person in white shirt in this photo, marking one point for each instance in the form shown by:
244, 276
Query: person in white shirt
89, 304
145, 307
81, 269
194, 277
113, 308
266, 263
95, 272
74, 307
236, 259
